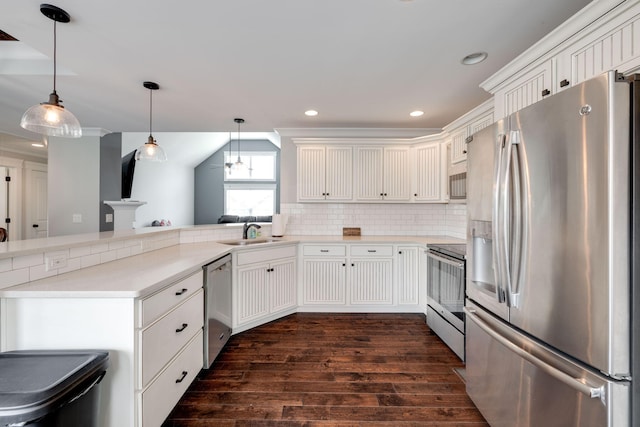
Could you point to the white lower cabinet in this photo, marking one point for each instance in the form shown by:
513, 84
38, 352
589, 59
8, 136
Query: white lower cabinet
408, 275
360, 278
265, 286
157, 400
151, 363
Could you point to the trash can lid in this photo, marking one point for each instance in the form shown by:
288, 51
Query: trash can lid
35, 382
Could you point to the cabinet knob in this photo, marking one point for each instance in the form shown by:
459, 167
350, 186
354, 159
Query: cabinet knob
415, 194
353, 265
545, 92
381, 194
400, 252
464, 151
564, 83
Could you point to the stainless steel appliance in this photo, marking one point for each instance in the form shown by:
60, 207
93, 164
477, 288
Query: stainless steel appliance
552, 261
445, 294
217, 312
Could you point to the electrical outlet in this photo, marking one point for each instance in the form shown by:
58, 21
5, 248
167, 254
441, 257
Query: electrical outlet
108, 218
76, 218
54, 262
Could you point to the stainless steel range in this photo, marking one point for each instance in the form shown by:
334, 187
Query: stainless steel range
446, 293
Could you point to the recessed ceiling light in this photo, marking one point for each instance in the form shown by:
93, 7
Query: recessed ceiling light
37, 144
474, 58
311, 113
416, 113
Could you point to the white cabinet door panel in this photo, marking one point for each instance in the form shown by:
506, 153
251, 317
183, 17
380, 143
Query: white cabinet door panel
369, 173
324, 281
282, 285
428, 173
339, 173
397, 182
311, 173
253, 294
371, 281
408, 278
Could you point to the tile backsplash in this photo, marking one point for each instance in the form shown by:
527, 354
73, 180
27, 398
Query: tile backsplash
376, 219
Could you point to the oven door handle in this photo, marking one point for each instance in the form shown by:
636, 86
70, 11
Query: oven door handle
447, 260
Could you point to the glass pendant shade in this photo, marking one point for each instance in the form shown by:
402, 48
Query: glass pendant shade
151, 152
51, 119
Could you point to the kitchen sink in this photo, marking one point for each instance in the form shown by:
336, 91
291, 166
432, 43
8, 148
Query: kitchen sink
247, 242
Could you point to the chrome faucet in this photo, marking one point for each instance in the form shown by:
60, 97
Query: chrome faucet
246, 227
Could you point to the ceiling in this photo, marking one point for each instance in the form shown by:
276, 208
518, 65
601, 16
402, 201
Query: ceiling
360, 63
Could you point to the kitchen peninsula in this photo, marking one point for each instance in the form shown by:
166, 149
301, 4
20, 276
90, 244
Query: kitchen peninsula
127, 300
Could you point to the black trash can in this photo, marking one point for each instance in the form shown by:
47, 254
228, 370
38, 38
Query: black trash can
51, 388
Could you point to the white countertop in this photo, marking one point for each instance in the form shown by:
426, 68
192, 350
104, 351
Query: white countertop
142, 275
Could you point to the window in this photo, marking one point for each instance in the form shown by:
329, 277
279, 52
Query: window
251, 190
250, 199
259, 166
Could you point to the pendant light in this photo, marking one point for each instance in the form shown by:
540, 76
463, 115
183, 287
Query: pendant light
50, 118
150, 150
229, 164
238, 165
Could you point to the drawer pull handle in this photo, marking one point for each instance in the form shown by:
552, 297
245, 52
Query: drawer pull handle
372, 251
184, 375
184, 326
324, 250
182, 291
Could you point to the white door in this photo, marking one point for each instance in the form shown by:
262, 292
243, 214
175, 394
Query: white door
37, 204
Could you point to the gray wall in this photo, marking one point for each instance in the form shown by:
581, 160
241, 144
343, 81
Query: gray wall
110, 175
73, 185
209, 181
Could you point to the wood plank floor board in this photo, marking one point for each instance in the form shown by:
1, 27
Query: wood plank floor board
339, 370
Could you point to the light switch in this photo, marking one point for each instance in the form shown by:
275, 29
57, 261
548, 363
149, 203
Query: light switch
77, 218
109, 218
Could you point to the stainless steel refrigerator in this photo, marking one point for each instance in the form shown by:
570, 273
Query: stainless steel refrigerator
552, 299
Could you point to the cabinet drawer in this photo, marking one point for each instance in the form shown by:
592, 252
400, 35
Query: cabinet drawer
263, 255
161, 341
162, 395
372, 250
156, 305
324, 250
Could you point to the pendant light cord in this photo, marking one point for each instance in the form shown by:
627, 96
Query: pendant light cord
150, 110
55, 48
239, 161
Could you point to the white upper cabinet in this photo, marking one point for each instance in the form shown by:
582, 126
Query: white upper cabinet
458, 145
530, 88
325, 173
603, 36
428, 172
614, 46
383, 174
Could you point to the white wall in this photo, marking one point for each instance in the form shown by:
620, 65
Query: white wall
167, 187
74, 184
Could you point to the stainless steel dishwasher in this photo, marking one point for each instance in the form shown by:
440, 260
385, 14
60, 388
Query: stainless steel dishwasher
217, 310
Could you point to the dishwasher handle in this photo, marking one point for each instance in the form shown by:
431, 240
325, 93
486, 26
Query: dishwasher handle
218, 264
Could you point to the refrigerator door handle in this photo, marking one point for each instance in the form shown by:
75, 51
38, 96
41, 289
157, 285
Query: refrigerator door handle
515, 211
495, 218
578, 384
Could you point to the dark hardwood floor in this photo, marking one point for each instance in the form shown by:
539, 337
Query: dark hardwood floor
331, 370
